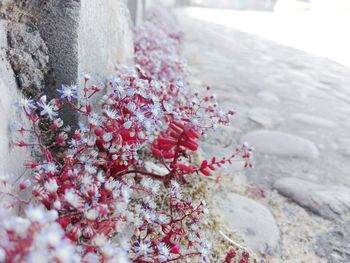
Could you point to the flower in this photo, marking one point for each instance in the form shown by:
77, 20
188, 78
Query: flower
100, 240
163, 252
131, 106
155, 109
111, 113
143, 249
36, 214
68, 92
127, 125
86, 76
51, 185
91, 214
26, 104
47, 108
95, 119
73, 199
50, 168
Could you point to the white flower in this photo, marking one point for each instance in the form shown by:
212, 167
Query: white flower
148, 216
163, 251
119, 89
57, 204
91, 214
50, 167
168, 107
146, 182
95, 119
127, 124
116, 255
38, 256
155, 109
163, 219
143, 249
101, 177
221, 114
18, 225
100, 240
47, 109
107, 137
196, 121
69, 92
86, 76
110, 185
87, 180
111, 113
73, 199
51, 185
36, 214
91, 258
90, 169
126, 192
27, 105
155, 188
140, 116
148, 124
65, 253
52, 235
131, 106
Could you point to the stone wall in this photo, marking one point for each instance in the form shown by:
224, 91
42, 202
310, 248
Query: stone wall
46, 43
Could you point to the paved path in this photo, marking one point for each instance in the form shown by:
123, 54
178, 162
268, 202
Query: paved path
278, 91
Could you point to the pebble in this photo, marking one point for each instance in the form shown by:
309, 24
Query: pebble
313, 120
281, 144
250, 220
328, 201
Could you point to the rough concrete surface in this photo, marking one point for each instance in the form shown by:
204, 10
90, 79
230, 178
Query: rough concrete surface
28, 56
104, 37
11, 157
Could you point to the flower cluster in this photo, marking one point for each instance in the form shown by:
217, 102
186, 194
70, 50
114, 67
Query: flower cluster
157, 46
113, 187
235, 255
35, 237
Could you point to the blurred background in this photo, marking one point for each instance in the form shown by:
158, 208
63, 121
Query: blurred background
284, 65
316, 26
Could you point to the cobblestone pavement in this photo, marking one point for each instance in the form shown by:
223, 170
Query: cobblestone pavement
278, 91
